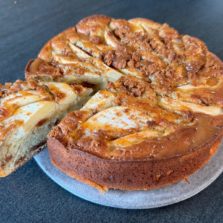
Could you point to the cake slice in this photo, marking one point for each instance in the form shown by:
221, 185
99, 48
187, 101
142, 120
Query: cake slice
28, 112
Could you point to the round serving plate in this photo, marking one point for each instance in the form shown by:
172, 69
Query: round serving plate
137, 199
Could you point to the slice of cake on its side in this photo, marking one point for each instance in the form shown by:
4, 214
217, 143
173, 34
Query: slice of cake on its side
27, 115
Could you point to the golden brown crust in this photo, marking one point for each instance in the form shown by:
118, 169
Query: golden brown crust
134, 175
93, 25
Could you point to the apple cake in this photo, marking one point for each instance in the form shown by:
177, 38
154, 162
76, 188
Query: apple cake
28, 111
154, 110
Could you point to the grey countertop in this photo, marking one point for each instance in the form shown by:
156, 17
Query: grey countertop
29, 195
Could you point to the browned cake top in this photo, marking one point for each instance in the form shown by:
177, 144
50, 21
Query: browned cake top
100, 48
121, 124
160, 88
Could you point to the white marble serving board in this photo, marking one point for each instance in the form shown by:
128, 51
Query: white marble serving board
136, 199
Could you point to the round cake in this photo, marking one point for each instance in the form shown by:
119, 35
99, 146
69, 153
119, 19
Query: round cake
156, 114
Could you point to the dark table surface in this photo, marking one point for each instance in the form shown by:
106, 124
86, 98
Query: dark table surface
25, 25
